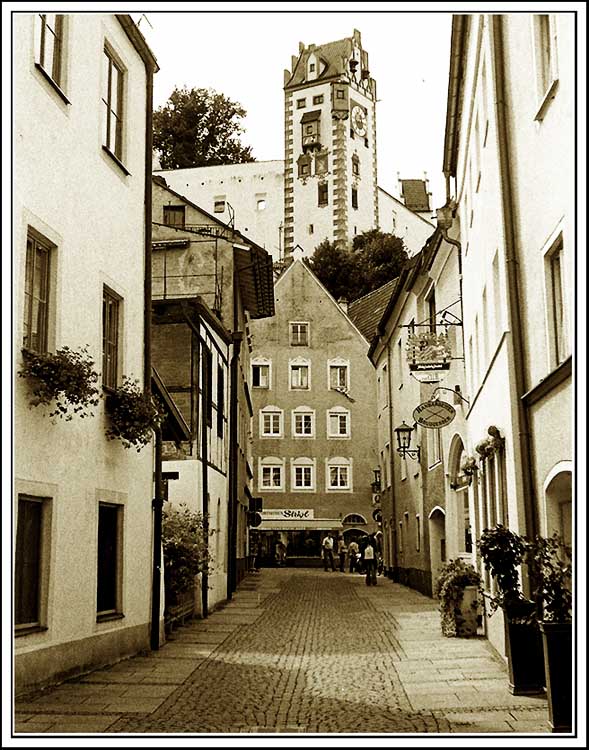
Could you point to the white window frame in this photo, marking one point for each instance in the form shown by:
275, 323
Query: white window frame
434, 448
339, 411
51, 26
115, 145
303, 463
298, 412
338, 462
271, 462
291, 337
545, 89
299, 362
555, 246
272, 411
339, 363
261, 362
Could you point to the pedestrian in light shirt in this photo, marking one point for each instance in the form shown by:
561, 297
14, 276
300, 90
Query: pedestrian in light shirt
328, 553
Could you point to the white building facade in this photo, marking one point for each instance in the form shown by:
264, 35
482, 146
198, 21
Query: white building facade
82, 503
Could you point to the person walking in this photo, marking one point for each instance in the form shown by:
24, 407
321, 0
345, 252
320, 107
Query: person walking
370, 562
342, 550
328, 552
353, 550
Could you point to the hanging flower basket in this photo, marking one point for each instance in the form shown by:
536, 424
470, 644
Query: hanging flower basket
65, 379
133, 415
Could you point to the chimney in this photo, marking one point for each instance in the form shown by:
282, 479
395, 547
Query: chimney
343, 303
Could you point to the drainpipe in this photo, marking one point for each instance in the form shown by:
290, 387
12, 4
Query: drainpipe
233, 465
157, 505
513, 295
205, 482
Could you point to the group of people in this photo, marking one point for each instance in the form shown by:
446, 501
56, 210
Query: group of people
364, 559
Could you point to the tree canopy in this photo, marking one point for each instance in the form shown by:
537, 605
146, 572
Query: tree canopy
375, 258
199, 128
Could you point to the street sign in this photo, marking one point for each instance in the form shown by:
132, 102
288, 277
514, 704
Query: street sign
434, 414
254, 519
428, 355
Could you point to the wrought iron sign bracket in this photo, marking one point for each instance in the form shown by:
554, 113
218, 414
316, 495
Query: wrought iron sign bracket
451, 390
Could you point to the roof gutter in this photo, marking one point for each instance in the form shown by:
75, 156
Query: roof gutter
460, 27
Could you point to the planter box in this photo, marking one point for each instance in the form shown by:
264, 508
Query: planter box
558, 661
525, 658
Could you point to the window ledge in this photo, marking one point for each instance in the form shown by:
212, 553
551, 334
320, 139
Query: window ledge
107, 616
19, 632
545, 103
435, 465
52, 83
117, 161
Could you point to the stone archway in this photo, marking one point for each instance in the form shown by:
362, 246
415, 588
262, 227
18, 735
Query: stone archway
437, 541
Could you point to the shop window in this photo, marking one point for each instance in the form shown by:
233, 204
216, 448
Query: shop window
110, 549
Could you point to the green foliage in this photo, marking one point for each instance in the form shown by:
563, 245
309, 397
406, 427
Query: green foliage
66, 378
199, 128
454, 577
375, 258
133, 415
550, 564
185, 549
502, 552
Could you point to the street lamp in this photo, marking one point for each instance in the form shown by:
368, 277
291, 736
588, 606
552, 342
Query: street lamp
404, 442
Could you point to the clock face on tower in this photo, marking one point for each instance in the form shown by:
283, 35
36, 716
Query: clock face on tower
359, 121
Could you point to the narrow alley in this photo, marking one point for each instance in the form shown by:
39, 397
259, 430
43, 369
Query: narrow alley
298, 650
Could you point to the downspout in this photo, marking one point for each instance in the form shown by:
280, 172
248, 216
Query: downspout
513, 295
392, 451
233, 465
156, 578
204, 454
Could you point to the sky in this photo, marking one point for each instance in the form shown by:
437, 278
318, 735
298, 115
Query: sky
243, 55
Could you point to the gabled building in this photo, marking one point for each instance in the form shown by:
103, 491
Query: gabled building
313, 395
81, 213
209, 281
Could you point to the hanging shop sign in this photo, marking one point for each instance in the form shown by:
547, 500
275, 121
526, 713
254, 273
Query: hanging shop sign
428, 355
434, 414
286, 514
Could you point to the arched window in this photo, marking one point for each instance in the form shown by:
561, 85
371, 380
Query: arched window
302, 474
338, 474
339, 423
271, 422
271, 474
354, 518
303, 422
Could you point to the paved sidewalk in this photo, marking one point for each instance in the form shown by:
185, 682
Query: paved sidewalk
299, 650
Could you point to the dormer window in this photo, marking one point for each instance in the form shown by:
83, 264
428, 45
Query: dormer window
312, 68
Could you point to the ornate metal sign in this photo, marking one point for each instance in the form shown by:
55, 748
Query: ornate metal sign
429, 355
434, 414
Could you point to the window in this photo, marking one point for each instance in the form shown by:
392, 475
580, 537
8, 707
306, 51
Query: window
556, 311
403, 467
303, 422
321, 163
112, 98
29, 561
299, 376
207, 381
545, 54
339, 474
260, 204
387, 464
497, 297
355, 166
311, 228
318, 99
271, 422
300, 103
340, 94
271, 478
174, 216
261, 375
304, 165
110, 338
219, 204
108, 596
354, 198
338, 423
303, 474
299, 334
417, 533
312, 70
322, 194
50, 45
36, 293
431, 310
434, 446
339, 377
220, 400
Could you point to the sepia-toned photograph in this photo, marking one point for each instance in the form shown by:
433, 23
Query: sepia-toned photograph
293, 303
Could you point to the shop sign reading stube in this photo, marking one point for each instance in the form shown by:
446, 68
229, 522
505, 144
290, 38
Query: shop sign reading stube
429, 355
434, 414
284, 514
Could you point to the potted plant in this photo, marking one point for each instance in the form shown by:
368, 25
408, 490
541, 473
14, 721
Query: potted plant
66, 379
457, 588
133, 415
503, 551
550, 564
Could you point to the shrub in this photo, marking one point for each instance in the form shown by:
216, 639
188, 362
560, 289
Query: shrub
502, 551
133, 415
185, 549
550, 565
454, 577
66, 379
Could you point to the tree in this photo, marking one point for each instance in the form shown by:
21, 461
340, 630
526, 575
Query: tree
375, 258
199, 128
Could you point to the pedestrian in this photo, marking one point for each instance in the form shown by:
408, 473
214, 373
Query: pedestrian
328, 552
342, 550
281, 552
370, 562
353, 551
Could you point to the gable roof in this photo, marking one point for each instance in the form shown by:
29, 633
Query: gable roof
332, 54
415, 195
366, 312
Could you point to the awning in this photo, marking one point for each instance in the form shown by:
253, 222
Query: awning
301, 524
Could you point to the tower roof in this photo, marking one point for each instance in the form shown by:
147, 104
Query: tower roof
415, 195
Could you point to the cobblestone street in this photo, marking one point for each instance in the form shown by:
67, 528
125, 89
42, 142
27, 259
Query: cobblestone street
298, 651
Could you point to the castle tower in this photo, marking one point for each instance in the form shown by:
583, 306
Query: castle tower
330, 189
